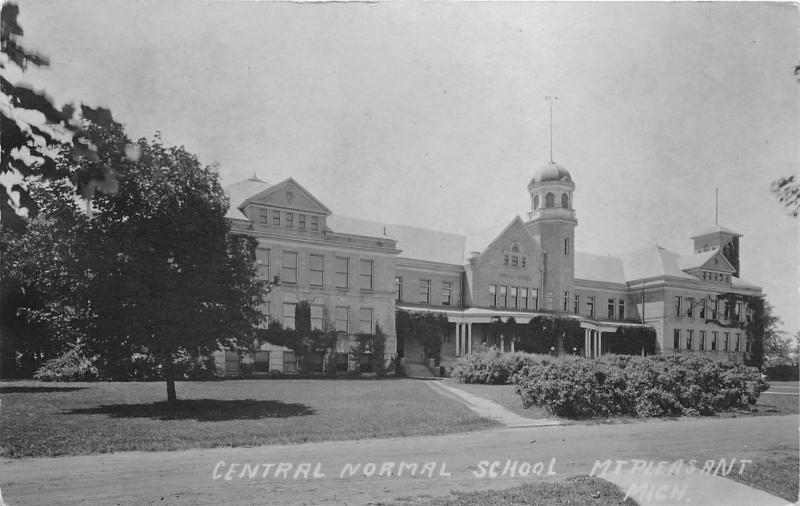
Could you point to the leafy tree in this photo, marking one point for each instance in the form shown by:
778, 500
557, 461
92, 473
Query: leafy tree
788, 191
762, 330
426, 327
34, 131
543, 333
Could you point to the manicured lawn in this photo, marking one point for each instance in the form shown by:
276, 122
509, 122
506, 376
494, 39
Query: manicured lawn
775, 473
503, 395
778, 404
48, 419
572, 491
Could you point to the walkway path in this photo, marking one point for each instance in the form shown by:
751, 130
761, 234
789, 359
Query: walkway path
199, 476
488, 409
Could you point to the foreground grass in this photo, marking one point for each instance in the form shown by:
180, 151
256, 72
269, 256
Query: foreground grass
578, 490
775, 473
503, 395
50, 419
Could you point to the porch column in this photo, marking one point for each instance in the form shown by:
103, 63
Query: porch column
587, 345
469, 337
458, 340
512, 346
502, 344
599, 343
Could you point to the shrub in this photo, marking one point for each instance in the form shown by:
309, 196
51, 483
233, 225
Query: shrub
492, 367
71, 366
782, 372
688, 385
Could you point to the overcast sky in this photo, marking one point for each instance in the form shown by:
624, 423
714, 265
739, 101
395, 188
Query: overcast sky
433, 114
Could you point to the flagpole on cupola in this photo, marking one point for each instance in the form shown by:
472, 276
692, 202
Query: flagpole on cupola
550, 99
716, 206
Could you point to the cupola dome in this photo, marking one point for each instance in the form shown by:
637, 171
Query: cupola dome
551, 172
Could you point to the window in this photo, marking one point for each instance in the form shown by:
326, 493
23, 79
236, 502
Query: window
738, 315
505, 259
621, 309
590, 306
315, 268
522, 262
566, 246
289, 267
536, 202
703, 309
514, 291
748, 314
289, 362
549, 300
714, 309
276, 218
425, 291
738, 341
262, 260
726, 310
342, 272
301, 221
365, 320
690, 307
746, 343
676, 339
611, 309
523, 298
504, 296
576, 304
263, 216
289, 220
564, 201
398, 288
316, 316
261, 361
315, 223
514, 261
550, 200
342, 319
702, 340
714, 341
493, 295
447, 293
726, 337
288, 315
565, 302
689, 338
534, 298
678, 306
365, 274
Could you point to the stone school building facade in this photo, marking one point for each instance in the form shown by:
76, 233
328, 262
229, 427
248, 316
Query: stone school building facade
356, 274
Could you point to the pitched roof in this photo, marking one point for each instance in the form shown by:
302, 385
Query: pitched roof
715, 230
241, 191
696, 260
652, 262
599, 268
414, 243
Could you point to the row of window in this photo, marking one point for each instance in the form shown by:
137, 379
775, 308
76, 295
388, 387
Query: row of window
550, 200
513, 297
729, 342
710, 308
716, 276
316, 269
341, 317
288, 219
446, 292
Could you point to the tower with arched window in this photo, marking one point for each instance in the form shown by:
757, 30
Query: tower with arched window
552, 221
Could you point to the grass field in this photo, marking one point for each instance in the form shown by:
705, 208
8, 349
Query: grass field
503, 395
572, 491
49, 419
775, 473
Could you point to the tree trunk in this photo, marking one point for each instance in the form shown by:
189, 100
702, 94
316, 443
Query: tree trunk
172, 397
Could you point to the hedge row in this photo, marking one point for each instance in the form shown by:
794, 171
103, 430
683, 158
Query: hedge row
493, 367
577, 387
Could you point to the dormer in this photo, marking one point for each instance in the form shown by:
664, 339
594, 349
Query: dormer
286, 206
710, 266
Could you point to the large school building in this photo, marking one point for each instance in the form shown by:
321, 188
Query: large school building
356, 274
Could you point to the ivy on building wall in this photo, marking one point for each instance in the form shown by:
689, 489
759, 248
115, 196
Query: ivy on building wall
369, 352
544, 334
631, 341
426, 327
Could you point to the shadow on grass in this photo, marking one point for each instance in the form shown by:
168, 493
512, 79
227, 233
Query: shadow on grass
37, 390
202, 410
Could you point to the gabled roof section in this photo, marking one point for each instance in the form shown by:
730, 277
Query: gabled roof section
712, 259
484, 240
239, 192
715, 230
289, 194
607, 269
414, 243
652, 262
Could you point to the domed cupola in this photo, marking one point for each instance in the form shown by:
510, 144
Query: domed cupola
551, 191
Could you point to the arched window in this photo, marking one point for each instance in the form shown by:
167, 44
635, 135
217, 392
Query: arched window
566, 246
550, 200
564, 201
536, 202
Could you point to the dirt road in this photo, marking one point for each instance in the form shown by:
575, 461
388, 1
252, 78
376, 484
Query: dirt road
199, 476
